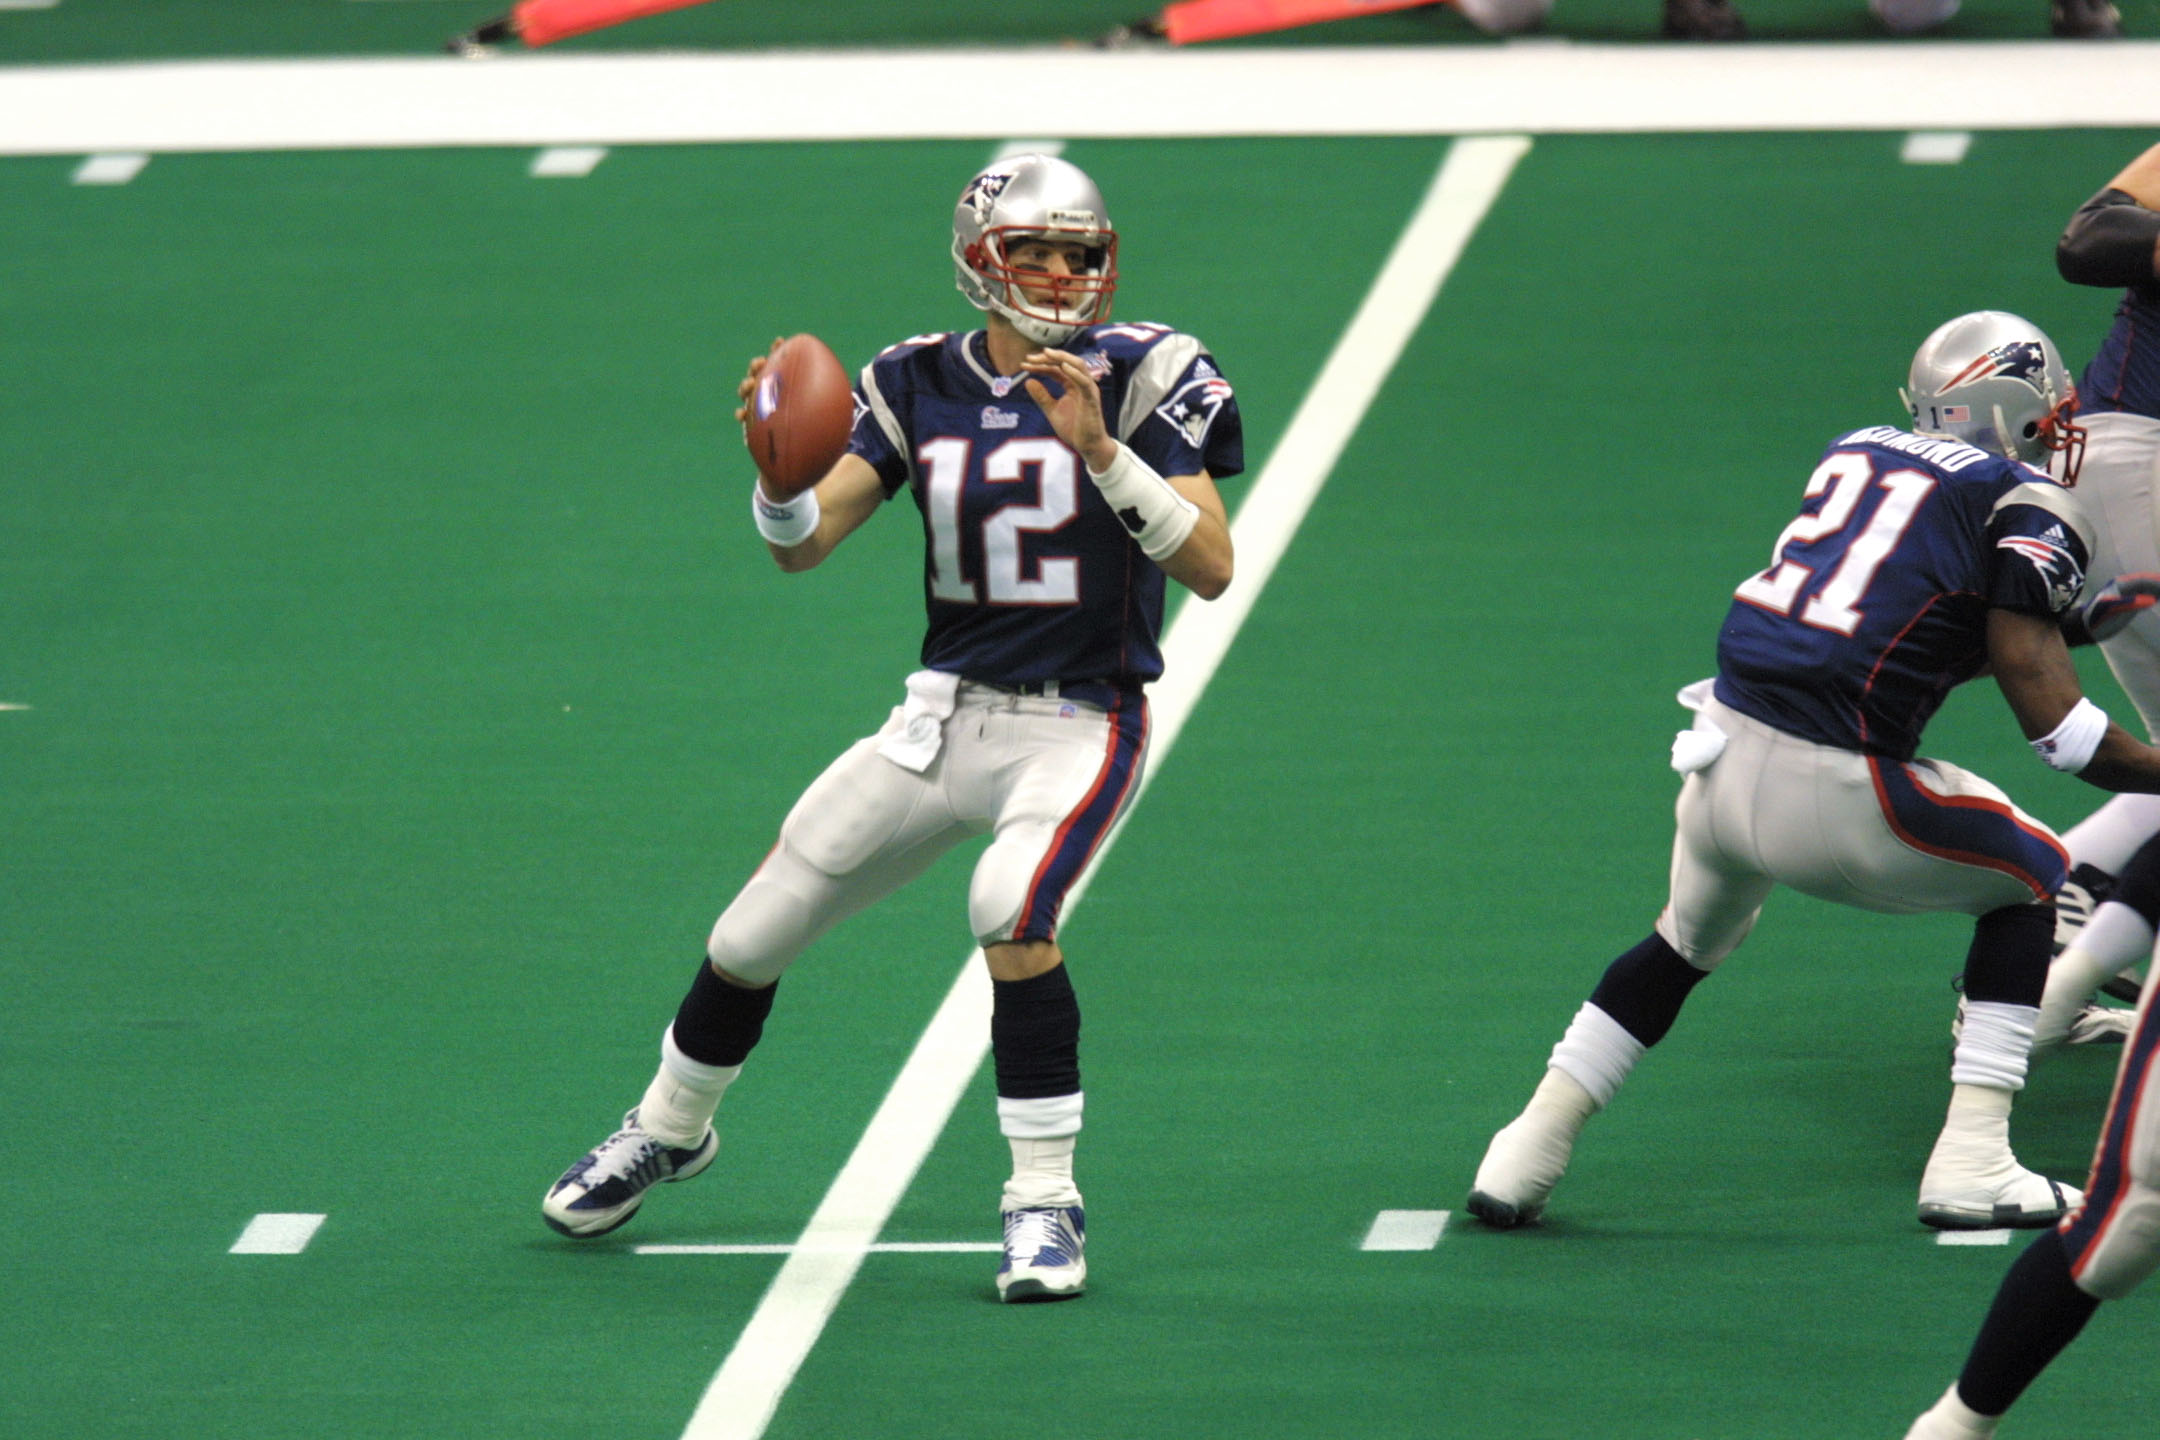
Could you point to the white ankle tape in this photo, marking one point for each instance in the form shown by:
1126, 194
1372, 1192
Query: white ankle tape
1136, 493
1994, 1045
1597, 1053
1045, 1119
691, 1072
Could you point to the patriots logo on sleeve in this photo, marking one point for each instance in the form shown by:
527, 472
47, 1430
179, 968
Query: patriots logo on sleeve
1192, 407
862, 408
2058, 568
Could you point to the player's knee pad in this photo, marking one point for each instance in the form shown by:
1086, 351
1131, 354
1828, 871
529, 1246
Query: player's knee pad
1008, 897
1905, 17
787, 904
1705, 948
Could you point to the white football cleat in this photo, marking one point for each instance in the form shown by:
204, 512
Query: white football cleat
2101, 1025
1045, 1254
604, 1189
1957, 1195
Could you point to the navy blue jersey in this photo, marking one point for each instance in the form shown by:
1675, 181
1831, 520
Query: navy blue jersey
1875, 603
2125, 373
1027, 573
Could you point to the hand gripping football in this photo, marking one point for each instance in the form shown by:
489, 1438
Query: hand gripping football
800, 414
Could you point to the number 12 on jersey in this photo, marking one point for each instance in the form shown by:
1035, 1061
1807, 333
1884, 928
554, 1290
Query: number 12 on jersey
1835, 605
945, 465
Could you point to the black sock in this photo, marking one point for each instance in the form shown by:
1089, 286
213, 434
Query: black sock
719, 1023
2037, 1311
2139, 887
1035, 1036
1645, 988
2008, 961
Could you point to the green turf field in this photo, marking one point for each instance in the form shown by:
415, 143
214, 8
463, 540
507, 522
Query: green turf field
404, 692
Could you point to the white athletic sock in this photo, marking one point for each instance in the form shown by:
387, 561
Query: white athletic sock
1994, 1046
1952, 1419
2112, 834
1042, 1175
679, 1104
1048, 1118
2116, 936
1598, 1052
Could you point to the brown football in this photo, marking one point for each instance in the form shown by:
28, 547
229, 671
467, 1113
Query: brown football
800, 415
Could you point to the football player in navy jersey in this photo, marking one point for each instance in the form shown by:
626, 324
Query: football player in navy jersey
1919, 559
1063, 467
2107, 1248
2114, 240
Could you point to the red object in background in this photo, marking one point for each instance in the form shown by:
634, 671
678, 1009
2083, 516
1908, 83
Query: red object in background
1189, 21
543, 22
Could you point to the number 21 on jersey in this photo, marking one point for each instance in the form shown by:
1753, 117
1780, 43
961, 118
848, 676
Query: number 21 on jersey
1835, 604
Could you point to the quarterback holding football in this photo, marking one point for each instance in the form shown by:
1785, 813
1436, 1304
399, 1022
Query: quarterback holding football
1063, 468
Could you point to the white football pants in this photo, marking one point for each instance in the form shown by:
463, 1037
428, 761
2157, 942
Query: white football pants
1045, 777
1775, 809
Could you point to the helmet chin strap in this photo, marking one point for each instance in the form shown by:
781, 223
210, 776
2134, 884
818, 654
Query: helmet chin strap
2002, 435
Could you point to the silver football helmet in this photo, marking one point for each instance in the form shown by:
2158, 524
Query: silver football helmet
1024, 197
1996, 382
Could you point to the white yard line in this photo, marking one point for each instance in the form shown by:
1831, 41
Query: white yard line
1405, 1230
598, 99
573, 162
276, 1234
883, 1247
1935, 147
740, 1401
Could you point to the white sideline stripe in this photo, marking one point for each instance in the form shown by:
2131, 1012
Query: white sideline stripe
1936, 147
1405, 1230
1973, 1237
883, 1247
7, 706
651, 99
277, 1234
740, 1401
109, 169
28, 4
573, 161
1029, 147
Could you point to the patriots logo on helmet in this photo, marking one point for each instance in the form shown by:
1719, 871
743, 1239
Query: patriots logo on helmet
2018, 360
1193, 406
982, 192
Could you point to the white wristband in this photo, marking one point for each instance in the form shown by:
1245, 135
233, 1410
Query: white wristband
2070, 745
1159, 518
786, 523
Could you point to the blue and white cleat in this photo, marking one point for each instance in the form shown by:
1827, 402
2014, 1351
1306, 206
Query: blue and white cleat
1045, 1254
603, 1190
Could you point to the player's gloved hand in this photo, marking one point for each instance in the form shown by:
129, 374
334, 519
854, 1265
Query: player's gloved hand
2114, 605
